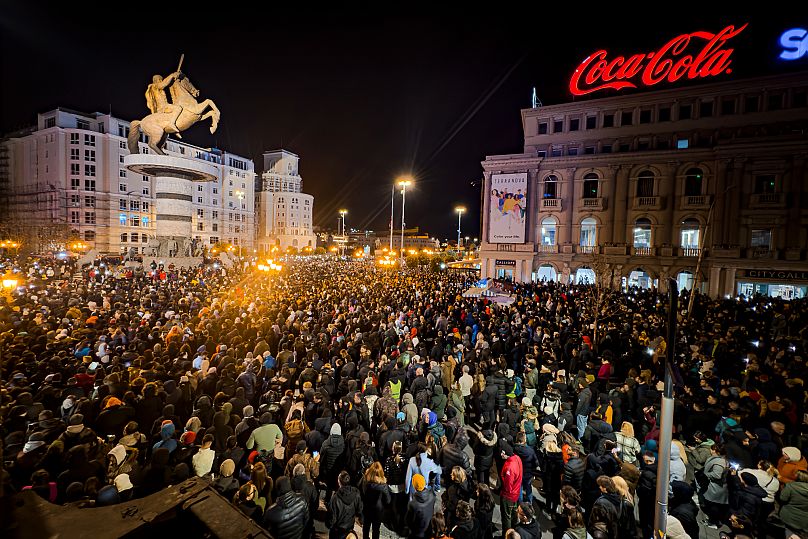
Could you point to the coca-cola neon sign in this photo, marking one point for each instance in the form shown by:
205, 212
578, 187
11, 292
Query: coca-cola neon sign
670, 63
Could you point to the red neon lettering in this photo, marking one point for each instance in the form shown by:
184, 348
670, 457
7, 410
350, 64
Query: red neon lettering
670, 63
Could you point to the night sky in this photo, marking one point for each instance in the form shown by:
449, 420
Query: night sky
362, 95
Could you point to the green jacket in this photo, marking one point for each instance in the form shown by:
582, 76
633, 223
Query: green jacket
794, 506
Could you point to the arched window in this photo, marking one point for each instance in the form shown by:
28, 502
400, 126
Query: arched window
124, 238
591, 185
589, 232
645, 184
642, 233
551, 186
693, 182
689, 238
548, 231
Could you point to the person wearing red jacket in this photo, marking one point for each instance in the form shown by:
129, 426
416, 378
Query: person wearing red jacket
511, 476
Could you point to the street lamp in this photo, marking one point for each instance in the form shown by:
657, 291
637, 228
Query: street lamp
403, 183
342, 214
240, 196
459, 210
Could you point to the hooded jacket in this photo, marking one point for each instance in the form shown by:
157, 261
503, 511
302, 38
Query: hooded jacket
439, 402
343, 508
167, 438
794, 505
677, 467
409, 409
331, 452
419, 513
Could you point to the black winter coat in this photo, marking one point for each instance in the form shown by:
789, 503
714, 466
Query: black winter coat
375, 499
343, 509
331, 452
574, 471
529, 462
419, 513
452, 455
287, 517
744, 499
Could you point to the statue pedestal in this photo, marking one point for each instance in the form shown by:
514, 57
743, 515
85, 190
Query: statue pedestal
174, 194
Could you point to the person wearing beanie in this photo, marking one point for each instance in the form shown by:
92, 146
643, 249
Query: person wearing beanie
288, 516
332, 457
266, 436
420, 508
302, 457
791, 462
226, 484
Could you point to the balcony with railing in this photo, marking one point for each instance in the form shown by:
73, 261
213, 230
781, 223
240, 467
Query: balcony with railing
551, 204
548, 249
647, 203
587, 249
696, 202
690, 251
593, 204
767, 201
642, 251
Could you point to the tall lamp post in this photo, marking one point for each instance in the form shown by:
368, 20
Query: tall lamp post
240, 196
344, 239
459, 210
403, 183
392, 214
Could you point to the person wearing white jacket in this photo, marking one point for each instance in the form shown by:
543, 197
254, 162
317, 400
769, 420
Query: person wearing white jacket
203, 460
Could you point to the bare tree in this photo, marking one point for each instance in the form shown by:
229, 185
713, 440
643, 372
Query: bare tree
602, 293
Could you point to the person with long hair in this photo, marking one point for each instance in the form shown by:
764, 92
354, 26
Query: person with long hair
437, 526
422, 463
263, 484
395, 470
376, 497
715, 500
627, 524
484, 510
628, 446
459, 490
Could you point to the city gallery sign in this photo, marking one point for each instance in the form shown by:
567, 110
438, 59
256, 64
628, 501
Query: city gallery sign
678, 58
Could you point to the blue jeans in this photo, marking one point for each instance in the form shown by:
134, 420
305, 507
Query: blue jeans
581, 421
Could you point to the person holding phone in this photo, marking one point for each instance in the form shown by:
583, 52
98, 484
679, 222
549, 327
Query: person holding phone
311, 462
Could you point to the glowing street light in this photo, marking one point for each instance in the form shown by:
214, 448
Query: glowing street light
403, 182
460, 210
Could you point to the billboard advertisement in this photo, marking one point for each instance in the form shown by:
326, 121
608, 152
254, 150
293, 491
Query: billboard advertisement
507, 209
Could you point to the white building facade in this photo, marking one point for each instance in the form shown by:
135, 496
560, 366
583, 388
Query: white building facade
284, 211
67, 175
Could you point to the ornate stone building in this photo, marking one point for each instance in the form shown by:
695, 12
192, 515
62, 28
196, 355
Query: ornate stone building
642, 186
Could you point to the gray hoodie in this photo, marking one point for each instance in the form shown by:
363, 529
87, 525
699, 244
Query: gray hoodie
410, 409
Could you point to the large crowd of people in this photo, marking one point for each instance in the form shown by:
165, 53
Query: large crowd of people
339, 392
